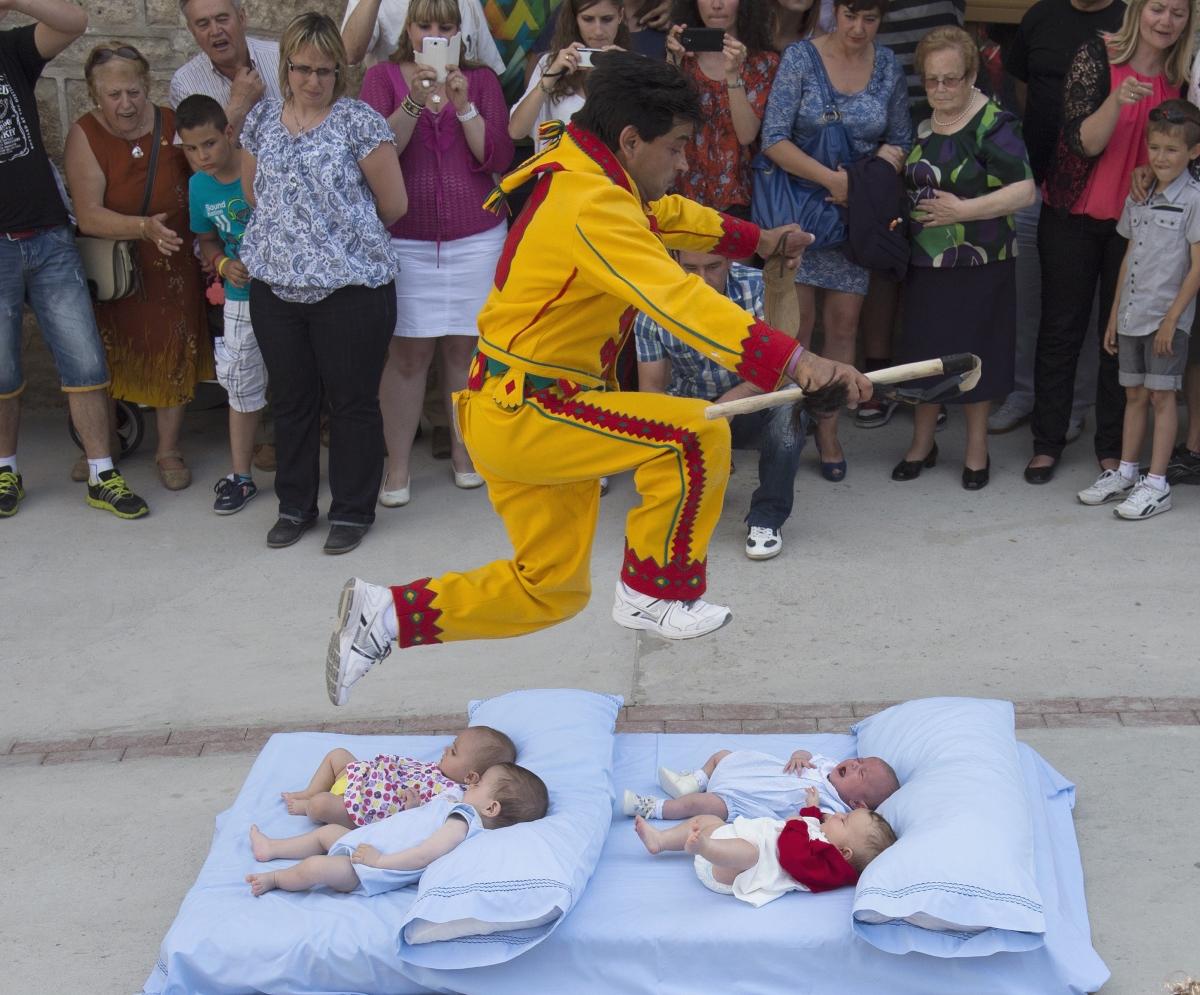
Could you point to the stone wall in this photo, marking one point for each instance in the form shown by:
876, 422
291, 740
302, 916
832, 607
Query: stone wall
156, 28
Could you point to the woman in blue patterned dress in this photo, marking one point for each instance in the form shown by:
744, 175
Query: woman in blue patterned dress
871, 95
322, 174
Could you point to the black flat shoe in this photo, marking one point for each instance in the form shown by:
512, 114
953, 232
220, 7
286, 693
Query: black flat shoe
286, 532
1040, 474
910, 469
343, 538
977, 480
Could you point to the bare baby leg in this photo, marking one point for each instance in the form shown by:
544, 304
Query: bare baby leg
700, 803
658, 840
728, 857
330, 769
295, 847
337, 872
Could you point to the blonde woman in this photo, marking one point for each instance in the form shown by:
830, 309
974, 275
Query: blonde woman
557, 87
157, 340
1113, 84
320, 171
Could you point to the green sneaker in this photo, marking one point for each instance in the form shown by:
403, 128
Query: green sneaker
113, 494
11, 492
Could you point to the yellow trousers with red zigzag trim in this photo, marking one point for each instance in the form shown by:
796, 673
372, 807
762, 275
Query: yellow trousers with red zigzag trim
542, 460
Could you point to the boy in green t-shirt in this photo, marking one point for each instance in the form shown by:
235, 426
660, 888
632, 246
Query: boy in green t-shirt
219, 217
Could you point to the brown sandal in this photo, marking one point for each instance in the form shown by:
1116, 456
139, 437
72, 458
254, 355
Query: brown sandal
173, 480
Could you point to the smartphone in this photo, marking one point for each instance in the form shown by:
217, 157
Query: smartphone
585, 57
438, 53
702, 39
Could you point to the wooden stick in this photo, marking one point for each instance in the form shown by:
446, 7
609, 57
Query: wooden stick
893, 374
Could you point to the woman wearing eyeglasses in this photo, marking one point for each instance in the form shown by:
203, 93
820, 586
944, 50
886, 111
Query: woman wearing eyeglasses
966, 176
1113, 84
322, 175
156, 340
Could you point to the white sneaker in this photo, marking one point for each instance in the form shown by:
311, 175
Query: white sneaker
677, 785
642, 805
1109, 485
762, 543
1146, 501
361, 639
669, 619
1005, 418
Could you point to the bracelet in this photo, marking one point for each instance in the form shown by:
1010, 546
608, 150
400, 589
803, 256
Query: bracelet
561, 72
790, 371
734, 86
542, 87
410, 106
472, 112
143, 226
221, 266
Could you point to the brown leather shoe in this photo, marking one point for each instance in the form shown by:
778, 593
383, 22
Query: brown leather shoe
173, 480
264, 456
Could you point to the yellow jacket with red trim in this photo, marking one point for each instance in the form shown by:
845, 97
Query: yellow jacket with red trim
585, 255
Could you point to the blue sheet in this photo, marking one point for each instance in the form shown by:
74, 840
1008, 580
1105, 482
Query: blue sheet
642, 925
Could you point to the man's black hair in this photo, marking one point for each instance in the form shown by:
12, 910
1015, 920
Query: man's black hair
629, 89
198, 110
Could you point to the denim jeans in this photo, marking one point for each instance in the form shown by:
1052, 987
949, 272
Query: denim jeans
341, 344
779, 446
45, 272
1029, 315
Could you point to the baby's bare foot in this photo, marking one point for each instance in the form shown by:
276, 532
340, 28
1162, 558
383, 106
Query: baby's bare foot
296, 802
260, 884
695, 843
261, 845
648, 834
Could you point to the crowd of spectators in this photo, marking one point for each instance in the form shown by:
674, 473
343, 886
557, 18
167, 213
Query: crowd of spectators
326, 256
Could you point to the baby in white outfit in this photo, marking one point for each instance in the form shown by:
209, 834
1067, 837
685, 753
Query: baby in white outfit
756, 785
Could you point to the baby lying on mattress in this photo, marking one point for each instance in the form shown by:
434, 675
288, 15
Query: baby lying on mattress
759, 860
349, 792
757, 786
393, 852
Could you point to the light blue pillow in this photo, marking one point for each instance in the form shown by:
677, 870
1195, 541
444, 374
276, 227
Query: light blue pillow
499, 893
959, 881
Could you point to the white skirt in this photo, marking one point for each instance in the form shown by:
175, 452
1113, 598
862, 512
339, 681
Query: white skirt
443, 295
766, 880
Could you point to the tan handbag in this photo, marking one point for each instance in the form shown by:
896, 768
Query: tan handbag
111, 264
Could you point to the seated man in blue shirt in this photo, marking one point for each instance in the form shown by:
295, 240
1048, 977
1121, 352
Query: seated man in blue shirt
668, 366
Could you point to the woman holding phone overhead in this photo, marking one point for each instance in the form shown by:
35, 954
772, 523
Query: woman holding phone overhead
557, 87
731, 67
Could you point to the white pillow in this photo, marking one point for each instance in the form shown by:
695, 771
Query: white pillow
959, 882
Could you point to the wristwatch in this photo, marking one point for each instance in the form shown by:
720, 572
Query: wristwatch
471, 112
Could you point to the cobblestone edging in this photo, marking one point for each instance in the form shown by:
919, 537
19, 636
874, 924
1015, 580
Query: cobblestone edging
1053, 713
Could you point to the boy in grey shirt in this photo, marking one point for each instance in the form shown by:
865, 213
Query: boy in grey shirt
1150, 321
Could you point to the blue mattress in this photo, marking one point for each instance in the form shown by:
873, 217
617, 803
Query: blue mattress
643, 924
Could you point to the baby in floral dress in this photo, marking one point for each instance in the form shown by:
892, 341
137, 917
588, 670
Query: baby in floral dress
349, 792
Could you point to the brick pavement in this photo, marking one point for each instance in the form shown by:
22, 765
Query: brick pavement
1053, 713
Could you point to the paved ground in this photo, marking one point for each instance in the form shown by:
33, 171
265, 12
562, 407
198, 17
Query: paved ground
166, 634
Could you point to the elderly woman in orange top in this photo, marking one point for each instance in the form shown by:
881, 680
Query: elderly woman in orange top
157, 339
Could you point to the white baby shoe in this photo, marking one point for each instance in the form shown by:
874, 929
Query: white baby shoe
633, 804
677, 785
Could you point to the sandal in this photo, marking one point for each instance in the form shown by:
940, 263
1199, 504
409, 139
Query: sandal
834, 472
173, 480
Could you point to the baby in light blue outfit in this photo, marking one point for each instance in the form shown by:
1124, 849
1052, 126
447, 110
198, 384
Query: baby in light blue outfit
394, 852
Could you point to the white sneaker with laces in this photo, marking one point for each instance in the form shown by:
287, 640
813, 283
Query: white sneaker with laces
1109, 485
669, 619
763, 543
677, 784
1146, 501
1005, 418
642, 805
361, 639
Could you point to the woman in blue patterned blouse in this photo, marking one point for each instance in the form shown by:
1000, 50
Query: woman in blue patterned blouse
322, 174
871, 95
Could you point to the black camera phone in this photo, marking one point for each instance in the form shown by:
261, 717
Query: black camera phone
702, 39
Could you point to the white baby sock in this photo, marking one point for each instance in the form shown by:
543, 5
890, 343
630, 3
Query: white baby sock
10, 462
1129, 470
701, 779
1159, 483
658, 804
97, 467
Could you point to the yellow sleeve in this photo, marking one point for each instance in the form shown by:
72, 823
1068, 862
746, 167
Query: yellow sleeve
684, 224
617, 253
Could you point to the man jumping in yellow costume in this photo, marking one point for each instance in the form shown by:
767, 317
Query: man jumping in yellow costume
541, 416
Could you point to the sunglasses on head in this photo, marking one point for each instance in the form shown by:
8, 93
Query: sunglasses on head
108, 54
1172, 117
